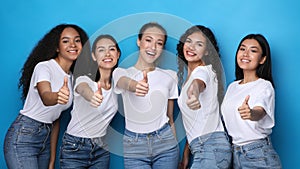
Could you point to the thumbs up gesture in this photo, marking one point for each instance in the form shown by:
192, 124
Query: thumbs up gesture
63, 93
245, 110
142, 86
97, 98
193, 101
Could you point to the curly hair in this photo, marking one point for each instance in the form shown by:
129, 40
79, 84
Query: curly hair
212, 58
45, 49
264, 70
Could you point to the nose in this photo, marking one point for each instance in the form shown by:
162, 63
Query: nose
72, 43
191, 46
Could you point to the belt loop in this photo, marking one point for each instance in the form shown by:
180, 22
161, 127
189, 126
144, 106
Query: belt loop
136, 136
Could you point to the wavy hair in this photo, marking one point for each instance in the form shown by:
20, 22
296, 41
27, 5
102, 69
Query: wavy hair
212, 58
45, 49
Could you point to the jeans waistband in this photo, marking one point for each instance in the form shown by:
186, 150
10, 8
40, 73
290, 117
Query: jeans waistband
153, 133
212, 135
24, 117
253, 145
96, 140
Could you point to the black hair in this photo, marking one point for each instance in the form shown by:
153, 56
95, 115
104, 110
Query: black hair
45, 49
264, 70
213, 56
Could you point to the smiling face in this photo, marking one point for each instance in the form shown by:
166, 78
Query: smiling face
249, 55
194, 47
106, 53
151, 44
69, 44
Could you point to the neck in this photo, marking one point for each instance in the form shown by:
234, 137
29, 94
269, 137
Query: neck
140, 65
193, 65
105, 78
249, 76
64, 64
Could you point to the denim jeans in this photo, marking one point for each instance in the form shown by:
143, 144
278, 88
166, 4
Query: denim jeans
82, 153
211, 151
156, 150
259, 154
27, 144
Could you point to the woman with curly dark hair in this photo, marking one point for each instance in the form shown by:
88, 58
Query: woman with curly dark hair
199, 99
46, 82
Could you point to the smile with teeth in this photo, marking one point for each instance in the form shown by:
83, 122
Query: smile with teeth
190, 53
245, 60
72, 51
107, 60
151, 53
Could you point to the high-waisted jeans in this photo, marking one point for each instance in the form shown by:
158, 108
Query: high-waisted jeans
156, 150
259, 154
27, 144
211, 151
83, 153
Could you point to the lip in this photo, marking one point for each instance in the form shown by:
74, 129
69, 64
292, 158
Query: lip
107, 60
245, 60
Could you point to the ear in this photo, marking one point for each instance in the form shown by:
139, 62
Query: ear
138, 42
206, 53
263, 59
93, 56
118, 55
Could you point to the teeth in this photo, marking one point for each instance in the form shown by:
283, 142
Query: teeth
245, 60
151, 53
190, 53
107, 60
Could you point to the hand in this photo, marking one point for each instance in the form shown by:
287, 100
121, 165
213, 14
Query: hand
192, 101
63, 93
245, 110
142, 87
97, 98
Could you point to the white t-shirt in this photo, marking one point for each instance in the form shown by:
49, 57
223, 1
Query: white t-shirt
261, 94
148, 113
88, 121
206, 119
34, 108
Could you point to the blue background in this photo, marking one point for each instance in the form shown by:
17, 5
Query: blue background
23, 23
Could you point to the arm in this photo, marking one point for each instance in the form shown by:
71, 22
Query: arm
53, 143
185, 158
140, 88
197, 86
170, 115
254, 114
50, 98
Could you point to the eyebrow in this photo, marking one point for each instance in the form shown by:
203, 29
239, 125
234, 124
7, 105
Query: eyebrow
242, 45
67, 37
104, 47
199, 41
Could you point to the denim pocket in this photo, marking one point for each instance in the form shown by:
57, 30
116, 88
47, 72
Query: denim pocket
255, 154
70, 146
223, 156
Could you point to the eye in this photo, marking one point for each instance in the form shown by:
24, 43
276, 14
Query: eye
78, 40
242, 49
100, 50
160, 43
188, 41
113, 49
65, 41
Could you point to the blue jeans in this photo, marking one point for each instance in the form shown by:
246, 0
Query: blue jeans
27, 144
157, 150
259, 154
83, 153
211, 151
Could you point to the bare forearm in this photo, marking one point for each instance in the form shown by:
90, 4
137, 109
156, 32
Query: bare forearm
257, 113
127, 83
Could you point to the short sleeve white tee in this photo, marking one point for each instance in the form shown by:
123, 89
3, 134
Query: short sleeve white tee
206, 119
88, 121
34, 108
148, 113
261, 94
